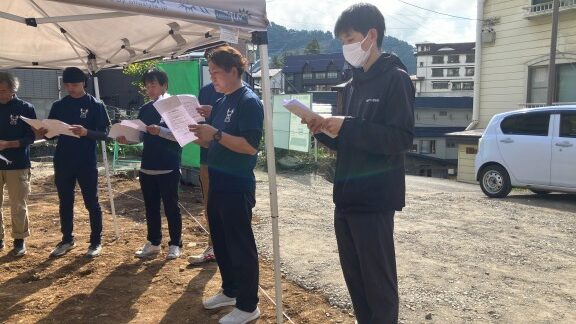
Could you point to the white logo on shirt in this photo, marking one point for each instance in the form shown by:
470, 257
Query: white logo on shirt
229, 113
373, 100
83, 113
14, 119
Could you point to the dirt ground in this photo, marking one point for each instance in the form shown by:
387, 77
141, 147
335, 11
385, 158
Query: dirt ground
116, 287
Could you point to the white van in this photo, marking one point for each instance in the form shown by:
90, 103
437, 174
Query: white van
529, 148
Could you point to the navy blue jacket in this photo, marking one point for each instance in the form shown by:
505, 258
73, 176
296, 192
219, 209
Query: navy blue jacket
86, 111
370, 172
158, 153
12, 128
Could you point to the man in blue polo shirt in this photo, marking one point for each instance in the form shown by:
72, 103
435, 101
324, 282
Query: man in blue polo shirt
75, 159
15, 139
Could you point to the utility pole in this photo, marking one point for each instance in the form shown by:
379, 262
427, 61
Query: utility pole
552, 64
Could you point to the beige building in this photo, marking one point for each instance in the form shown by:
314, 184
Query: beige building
512, 58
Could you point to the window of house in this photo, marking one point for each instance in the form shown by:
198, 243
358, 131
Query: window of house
437, 72
453, 72
535, 124
428, 146
414, 148
456, 85
565, 83
450, 145
470, 58
469, 71
453, 58
421, 64
307, 76
320, 75
439, 85
332, 75
467, 85
443, 114
568, 125
438, 59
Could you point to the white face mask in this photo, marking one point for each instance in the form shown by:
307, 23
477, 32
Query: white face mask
355, 55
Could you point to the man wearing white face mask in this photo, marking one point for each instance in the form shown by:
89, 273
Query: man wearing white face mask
369, 184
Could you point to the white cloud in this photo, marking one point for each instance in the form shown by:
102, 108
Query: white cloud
402, 21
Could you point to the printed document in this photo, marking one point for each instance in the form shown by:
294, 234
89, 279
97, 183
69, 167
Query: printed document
178, 112
55, 127
299, 109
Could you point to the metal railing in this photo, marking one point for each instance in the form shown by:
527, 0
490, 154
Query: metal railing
546, 8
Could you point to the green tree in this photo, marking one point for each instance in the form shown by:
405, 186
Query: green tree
137, 70
277, 62
313, 47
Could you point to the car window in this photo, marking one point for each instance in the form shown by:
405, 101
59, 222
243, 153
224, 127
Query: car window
568, 125
535, 124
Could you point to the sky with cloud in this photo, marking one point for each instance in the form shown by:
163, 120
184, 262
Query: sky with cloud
403, 20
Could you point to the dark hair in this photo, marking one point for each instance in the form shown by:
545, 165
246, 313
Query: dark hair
10, 80
155, 75
361, 17
227, 57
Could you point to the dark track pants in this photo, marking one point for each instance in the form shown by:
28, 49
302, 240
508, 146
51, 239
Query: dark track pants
366, 249
65, 180
156, 188
234, 246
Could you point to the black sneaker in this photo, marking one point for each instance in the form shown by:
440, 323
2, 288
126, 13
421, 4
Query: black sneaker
62, 248
19, 248
1, 244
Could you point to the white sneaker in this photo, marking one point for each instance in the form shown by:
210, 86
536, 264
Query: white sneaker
173, 252
148, 251
240, 317
62, 248
219, 300
94, 250
206, 256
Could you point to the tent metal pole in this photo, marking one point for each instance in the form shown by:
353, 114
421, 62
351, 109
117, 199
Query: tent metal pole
271, 163
107, 168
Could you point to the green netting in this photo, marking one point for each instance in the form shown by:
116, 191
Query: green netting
184, 78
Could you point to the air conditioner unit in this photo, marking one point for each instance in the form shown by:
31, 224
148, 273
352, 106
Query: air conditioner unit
488, 36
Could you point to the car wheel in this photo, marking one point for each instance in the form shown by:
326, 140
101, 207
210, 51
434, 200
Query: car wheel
495, 181
540, 192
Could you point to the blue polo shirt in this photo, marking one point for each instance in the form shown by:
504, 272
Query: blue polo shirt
239, 114
158, 153
12, 128
86, 111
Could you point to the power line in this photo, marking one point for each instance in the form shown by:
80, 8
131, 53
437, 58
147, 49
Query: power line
436, 12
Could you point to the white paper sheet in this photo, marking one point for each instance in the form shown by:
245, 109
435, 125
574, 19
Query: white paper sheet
55, 127
134, 124
132, 135
299, 109
3, 158
177, 117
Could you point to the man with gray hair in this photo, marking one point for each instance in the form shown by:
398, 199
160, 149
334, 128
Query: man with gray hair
15, 139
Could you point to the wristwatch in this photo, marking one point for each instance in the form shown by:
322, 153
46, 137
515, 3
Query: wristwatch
217, 136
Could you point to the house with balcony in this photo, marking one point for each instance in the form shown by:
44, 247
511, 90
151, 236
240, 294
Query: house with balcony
445, 70
314, 72
513, 43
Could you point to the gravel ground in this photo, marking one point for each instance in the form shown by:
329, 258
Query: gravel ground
461, 256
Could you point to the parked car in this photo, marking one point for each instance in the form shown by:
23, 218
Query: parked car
529, 148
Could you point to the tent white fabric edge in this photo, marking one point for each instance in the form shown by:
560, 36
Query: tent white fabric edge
230, 8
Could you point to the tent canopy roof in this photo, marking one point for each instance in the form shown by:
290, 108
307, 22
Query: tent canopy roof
57, 34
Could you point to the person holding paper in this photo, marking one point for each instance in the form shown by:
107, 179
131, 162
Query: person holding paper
369, 183
233, 135
75, 159
15, 139
159, 172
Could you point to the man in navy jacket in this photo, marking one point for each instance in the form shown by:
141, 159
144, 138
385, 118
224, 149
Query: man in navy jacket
15, 139
369, 184
75, 159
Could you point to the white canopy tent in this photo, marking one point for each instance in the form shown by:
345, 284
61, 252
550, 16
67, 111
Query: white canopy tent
96, 34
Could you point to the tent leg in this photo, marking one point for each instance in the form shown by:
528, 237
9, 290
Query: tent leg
107, 168
271, 163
